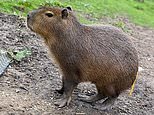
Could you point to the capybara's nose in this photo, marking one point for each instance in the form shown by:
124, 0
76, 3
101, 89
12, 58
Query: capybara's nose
31, 14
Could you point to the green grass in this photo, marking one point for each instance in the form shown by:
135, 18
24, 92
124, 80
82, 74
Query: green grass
139, 13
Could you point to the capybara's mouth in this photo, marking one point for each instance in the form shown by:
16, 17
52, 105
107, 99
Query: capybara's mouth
29, 25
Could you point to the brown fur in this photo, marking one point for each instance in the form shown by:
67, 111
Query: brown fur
103, 55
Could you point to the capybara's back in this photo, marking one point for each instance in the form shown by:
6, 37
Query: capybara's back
103, 55
107, 57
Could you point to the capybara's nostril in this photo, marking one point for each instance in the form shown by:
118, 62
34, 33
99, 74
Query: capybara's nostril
28, 17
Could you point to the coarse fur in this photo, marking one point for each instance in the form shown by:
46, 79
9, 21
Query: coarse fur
103, 55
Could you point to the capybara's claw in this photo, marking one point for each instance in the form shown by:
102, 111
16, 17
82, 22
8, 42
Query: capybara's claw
62, 102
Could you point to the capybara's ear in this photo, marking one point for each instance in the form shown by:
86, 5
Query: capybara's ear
64, 13
69, 8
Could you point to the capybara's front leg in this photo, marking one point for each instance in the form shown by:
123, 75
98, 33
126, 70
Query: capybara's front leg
68, 88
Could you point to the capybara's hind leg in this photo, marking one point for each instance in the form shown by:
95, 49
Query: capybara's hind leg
109, 102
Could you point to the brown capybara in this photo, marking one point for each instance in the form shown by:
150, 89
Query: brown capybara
103, 55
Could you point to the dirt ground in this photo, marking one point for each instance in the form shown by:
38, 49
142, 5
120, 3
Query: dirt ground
27, 87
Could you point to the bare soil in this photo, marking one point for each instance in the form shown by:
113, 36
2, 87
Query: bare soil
27, 87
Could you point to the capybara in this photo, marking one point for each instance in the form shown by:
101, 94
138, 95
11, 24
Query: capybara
102, 55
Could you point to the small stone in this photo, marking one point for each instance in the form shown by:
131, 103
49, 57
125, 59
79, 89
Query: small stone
17, 90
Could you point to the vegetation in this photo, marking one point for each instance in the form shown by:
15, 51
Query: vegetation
19, 55
141, 13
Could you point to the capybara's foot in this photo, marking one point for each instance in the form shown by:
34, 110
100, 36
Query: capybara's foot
106, 105
63, 102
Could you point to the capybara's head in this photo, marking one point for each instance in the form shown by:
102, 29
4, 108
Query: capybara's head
47, 20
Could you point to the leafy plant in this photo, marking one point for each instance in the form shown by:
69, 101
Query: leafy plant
19, 55
121, 24
7, 57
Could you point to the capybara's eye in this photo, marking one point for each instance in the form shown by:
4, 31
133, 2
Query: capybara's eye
49, 14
